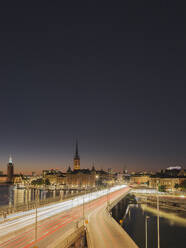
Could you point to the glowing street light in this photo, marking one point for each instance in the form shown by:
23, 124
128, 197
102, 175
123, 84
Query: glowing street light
146, 231
36, 214
158, 221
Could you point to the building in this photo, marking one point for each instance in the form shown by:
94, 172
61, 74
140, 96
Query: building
83, 178
33, 174
10, 170
167, 181
10, 177
172, 171
119, 177
55, 177
103, 178
3, 179
51, 172
79, 178
140, 179
18, 180
76, 159
168, 178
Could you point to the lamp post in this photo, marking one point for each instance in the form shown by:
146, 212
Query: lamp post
107, 196
27, 196
146, 231
36, 214
158, 222
83, 211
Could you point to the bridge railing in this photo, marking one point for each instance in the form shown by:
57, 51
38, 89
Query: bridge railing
76, 235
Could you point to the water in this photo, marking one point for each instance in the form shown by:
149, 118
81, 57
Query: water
9, 195
4, 195
172, 234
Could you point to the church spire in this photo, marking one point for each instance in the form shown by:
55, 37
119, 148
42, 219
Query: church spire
76, 154
76, 158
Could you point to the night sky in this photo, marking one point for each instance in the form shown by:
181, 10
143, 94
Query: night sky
110, 74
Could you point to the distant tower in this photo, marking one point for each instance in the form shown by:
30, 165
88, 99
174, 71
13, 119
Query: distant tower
10, 170
76, 159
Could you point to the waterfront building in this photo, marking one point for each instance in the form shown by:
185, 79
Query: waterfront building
104, 178
51, 172
79, 178
55, 177
11, 177
18, 180
167, 181
170, 178
140, 179
3, 179
83, 178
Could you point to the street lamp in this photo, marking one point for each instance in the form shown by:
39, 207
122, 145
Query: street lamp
158, 222
107, 196
36, 214
83, 211
146, 231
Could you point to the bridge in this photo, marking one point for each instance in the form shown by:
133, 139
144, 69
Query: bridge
79, 222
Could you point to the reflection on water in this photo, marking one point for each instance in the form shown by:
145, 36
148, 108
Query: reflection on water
172, 235
9, 195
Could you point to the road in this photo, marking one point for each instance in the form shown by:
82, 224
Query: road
104, 232
54, 221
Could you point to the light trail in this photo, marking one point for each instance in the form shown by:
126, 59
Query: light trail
65, 205
28, 218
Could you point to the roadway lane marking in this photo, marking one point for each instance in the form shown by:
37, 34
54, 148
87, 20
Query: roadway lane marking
39, 226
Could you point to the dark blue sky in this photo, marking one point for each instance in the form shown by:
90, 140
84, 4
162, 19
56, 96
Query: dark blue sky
111, 75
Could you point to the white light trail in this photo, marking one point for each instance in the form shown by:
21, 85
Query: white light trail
20, 220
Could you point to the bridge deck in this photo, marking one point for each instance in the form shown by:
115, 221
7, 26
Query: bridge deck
104, 232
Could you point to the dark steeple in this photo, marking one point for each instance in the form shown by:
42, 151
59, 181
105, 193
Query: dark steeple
93, 167
69, 169
76, 158
76, 154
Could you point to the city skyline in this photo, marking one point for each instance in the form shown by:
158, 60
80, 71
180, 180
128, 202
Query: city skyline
20, 166
113, 77
92, 124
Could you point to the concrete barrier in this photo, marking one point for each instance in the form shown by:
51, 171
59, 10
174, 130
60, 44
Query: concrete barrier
130, 241
75, 237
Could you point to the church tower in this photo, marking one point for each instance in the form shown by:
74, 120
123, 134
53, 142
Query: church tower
10, 170
76, 159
